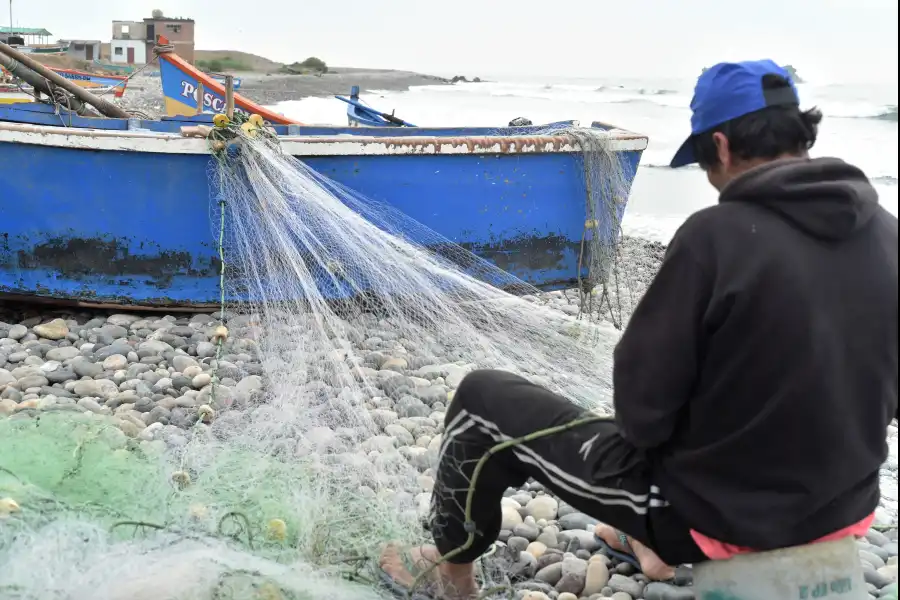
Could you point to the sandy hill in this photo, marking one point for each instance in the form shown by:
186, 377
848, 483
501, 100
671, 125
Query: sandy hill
232, 60
61, 61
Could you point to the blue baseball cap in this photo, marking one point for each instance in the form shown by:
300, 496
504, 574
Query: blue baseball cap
731, 90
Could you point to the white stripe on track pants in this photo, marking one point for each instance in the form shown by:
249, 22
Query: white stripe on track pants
591, 467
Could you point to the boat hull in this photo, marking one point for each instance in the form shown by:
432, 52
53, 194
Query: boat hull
14, 96
93, 82
236, 81
106, 66
181, 83
50, 50
124, 218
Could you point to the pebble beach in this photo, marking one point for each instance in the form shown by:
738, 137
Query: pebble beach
152, 372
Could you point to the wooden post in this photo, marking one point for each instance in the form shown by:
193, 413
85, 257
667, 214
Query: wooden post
229, 96
200, 92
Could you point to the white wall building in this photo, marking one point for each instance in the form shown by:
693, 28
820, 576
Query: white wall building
128, 52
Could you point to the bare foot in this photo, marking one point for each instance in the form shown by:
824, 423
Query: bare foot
651, 565
455, 582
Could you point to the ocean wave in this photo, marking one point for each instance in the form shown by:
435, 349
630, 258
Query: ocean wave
887, 180
872, 113
642, 101
666, 166
639, 91
889, 115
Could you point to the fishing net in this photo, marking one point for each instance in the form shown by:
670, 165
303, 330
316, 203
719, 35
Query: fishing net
365, 322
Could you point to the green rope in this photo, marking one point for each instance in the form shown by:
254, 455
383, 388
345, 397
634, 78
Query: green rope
220, 341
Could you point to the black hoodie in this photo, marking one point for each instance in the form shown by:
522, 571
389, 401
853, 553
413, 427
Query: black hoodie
760, 369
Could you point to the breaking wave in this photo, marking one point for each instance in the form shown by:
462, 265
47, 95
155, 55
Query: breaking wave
889, 115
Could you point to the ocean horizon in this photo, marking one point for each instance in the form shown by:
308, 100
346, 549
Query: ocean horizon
860, 126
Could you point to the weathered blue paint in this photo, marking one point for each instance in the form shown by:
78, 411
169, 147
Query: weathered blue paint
35, 113
360, 115
221, 79
134, 227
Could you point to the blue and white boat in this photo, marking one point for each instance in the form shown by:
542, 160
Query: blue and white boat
360, 114
221, 79
117, 211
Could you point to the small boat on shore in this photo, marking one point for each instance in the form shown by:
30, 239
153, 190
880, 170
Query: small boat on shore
50, 49
182, 84
11, 94
236, 81
362, 115
54, 49
98, 84
114, 68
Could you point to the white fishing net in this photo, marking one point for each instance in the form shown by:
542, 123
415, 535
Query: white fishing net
365, 322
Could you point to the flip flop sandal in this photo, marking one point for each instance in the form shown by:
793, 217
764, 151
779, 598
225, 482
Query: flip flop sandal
623, 556
628, 556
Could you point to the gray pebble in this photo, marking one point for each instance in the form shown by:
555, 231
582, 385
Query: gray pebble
550, 574
876, 538
874, 577
517, 544
882, 553
577, 520
663, 591
873, 559
17, 332
549, 557
32, 382
524, 567
529, 531
548, 538
86, 368
62, 354
570, 582
620, 583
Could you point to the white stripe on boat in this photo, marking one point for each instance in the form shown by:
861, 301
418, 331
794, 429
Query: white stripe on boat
337, 145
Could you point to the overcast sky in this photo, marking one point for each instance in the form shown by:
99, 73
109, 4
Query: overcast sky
827, 40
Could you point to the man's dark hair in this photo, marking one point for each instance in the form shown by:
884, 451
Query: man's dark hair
767, 133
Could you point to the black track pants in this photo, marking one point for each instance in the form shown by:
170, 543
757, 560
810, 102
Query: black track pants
591, 467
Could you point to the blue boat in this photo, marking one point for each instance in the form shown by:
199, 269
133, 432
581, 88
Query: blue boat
361, 115
221, 79
117, 211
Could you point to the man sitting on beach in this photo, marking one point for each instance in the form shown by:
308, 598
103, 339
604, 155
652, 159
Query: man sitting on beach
753, 385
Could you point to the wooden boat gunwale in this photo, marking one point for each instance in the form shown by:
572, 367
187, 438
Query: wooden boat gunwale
138, 141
